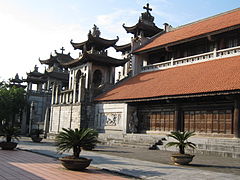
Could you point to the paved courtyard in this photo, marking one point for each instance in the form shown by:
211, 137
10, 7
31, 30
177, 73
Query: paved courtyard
23, 165
145, 164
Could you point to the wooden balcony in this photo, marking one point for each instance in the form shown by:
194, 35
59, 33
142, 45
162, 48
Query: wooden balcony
216, 54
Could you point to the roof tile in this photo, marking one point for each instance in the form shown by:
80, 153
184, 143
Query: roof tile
215, 23
211, 76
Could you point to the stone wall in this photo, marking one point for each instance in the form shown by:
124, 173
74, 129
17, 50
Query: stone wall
41, 103
65, 116
111, 117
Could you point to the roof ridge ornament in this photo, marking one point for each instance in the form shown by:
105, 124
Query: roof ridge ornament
62, 49
147, 8
146, 17
96, 32
35, 68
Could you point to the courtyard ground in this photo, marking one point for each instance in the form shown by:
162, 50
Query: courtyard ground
147, 164
23, 165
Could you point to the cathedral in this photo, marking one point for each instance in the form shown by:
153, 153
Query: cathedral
173, 79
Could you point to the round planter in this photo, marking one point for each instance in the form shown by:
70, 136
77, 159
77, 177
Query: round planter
36, 139
75, 164
8, 145
182, 159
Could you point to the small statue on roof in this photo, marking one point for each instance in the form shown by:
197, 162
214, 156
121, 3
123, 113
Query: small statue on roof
96, 32
16, 76
35, 68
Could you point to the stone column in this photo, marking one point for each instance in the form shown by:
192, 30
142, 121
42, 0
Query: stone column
60, 98
31, 117
53, 94
74, 92
24, 122
79, 89
56, 94
236, 118
30, 86
46, 122
39, 87
71, 97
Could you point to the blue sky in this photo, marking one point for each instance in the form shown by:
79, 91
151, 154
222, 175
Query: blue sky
34, 28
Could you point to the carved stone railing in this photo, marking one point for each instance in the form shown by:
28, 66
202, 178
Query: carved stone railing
193, 59
66, 97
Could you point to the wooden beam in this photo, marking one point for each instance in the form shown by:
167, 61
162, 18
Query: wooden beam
178, 119
236, 118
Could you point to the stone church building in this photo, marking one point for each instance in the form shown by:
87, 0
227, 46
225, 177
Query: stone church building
185, 78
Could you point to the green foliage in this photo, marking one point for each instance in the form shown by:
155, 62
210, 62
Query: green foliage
182, 140
12, 102
9, 132
76, 139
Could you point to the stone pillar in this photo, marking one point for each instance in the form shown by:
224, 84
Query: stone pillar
56, 94
79, 89
71, 97
74, 92
31, 117
48, 86
53, 94
46, 122
236, 119
24, 122
60, 98
64, 98
39, 87
30, 86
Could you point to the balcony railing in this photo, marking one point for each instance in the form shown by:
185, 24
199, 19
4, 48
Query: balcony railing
234, 51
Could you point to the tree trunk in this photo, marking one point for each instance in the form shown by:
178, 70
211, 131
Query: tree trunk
8, 138
181, 149
76, 151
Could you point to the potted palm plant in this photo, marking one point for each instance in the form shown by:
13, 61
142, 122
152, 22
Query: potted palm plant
181, 142
36, 135
9, 133
75, 140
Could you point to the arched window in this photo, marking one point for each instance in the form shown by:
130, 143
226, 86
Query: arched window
78, 76
97, 78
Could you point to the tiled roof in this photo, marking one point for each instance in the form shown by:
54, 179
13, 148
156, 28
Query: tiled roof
211, 76
203, 27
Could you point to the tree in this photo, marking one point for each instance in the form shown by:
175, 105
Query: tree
12, 102
181, 140
76, 140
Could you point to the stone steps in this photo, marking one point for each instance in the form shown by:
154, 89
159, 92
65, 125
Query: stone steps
217, 147
223, 147
214, 147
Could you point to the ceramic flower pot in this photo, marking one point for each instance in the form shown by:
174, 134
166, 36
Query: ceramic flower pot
8, 145
182, 159
75, 164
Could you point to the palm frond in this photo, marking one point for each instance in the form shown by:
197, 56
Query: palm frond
181, 139
69, 139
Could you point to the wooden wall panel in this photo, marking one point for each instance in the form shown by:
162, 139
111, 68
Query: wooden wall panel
215, 121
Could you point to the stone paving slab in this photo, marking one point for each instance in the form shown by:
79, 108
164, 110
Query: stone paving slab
137, 168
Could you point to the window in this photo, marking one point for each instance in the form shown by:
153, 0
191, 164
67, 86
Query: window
97, 78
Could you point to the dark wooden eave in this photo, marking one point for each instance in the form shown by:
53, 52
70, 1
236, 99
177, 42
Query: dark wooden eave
59, 59
49, 61
35, 74
96, 42
123, 48
62, 76
95, 58
35, 79
148, 30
